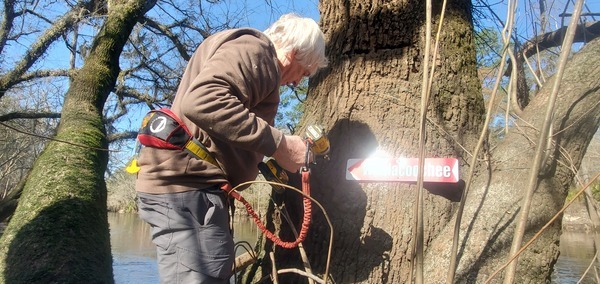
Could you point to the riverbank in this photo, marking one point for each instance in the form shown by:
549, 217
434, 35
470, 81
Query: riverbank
121, 198
134, 258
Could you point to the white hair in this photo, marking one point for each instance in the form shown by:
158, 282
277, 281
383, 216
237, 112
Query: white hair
292, 32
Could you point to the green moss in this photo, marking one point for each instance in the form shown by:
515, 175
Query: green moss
571, 195
596, 191
60, 230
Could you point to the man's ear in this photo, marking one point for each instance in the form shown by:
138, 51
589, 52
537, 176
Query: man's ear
285, 58
292, 55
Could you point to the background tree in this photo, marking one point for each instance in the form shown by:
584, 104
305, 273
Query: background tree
43, 43
62, 209
59, 231
154, 54
18, 150
99, 95
370, 99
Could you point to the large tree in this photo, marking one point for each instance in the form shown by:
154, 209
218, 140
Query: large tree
370, 99
97, 66
59, 232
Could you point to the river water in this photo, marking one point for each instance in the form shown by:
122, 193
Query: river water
134, 256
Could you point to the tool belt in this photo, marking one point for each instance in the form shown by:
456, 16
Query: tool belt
162, 129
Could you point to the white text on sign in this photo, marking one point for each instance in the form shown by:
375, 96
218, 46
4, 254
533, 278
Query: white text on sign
402, 169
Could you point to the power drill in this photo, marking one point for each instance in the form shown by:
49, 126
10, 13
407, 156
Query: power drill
317, 138
318, 145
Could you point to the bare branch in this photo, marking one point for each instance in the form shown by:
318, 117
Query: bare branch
44, 73
28, 115
582, 14
49, 21
62, 25
132, 93
167, 32
584, 33
122, 136
7, 22
9, 203
203, 32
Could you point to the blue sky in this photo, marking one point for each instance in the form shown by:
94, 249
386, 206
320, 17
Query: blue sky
260, 14
265, 15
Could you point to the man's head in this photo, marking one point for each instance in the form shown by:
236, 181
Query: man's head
300, 46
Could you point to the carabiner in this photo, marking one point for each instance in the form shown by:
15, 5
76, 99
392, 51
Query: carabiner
308, 155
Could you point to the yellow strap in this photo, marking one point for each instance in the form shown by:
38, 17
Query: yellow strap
133, 168
197, 149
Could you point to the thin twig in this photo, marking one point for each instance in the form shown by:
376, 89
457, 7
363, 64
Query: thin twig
310, 276
535, 76
556, 216
481, 141
418, 212
303, 255
541, 149
273, 268
592, 262
56, 140
330, 249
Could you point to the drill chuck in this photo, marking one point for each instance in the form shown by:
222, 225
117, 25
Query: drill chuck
319, 145
318, 140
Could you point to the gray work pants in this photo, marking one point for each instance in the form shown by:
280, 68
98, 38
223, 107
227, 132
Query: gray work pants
191, 234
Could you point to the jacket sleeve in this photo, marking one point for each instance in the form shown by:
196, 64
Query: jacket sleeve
235, 95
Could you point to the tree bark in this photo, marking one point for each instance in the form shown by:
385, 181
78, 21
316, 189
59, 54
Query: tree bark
42, 44
488, 225
369, 99
59, 232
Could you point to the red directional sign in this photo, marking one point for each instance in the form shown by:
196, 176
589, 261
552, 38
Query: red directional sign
402, 170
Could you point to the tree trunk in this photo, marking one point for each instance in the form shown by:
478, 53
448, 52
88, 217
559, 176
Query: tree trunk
494, 203
369, 98
59, 232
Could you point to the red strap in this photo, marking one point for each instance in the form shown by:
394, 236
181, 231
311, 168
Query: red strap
168, 133
305, 220
176, 118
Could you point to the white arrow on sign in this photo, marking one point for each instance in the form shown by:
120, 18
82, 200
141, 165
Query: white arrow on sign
402, 170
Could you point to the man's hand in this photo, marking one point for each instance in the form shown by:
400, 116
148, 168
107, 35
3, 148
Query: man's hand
291, 153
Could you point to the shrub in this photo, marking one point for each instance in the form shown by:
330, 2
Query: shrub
121, 193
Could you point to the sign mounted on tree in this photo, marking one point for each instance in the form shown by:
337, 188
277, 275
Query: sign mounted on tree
443, 170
